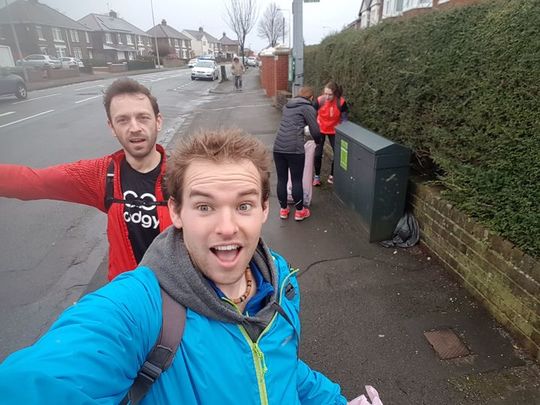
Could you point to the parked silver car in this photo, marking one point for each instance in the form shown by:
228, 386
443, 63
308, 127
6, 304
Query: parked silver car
205, 69
39, 61
69, 62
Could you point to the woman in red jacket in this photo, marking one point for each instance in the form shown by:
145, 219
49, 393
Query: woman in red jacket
332, 109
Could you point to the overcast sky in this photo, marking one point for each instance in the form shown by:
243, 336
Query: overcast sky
320, 19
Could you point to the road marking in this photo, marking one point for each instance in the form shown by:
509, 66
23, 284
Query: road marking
37, 98
7, 113
27, 118
89, 98
89, 87
238, 106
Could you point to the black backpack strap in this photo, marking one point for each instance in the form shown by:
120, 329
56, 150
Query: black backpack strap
109, 186
162, 354
109, 192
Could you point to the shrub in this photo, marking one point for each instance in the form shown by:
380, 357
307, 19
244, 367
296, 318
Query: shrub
460, 87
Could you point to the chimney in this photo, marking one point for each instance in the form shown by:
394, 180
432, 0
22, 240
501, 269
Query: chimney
113, 14
201, 29
224, 35
164, 22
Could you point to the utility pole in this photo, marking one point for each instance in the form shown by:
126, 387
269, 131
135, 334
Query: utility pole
298, 46
16, 39
155, 34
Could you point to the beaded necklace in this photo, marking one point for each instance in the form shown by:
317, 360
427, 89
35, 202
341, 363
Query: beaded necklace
249, 283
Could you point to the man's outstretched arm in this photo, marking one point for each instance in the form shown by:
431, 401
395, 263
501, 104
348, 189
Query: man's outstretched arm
81, 182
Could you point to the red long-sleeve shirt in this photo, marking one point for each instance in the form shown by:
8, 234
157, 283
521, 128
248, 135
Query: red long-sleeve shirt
83, 182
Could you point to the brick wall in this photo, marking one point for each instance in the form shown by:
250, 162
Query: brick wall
500, 275
275, 72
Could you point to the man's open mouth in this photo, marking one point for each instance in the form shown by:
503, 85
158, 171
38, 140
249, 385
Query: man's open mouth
226, 253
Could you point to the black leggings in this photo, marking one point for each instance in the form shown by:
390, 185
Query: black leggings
319, 154
295, 163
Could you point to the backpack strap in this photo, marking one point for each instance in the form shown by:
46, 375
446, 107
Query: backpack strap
163, 352
109, 186
109, 192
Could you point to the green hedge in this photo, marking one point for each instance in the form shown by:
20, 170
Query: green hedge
462, 88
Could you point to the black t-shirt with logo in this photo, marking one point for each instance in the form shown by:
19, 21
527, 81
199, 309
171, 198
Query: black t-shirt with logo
141, 220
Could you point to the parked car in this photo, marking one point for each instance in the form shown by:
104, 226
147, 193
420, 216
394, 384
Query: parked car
192, 62
205, 69
252, 61
69, 62
13, 85
39, 61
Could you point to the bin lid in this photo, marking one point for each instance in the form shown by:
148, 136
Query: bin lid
369, 140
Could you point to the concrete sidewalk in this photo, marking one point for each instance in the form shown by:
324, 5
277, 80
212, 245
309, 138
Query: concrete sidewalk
365, 307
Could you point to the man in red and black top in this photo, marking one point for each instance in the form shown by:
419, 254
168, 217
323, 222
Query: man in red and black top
127, 185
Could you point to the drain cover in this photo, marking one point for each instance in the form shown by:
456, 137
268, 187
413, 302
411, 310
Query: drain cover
447, 344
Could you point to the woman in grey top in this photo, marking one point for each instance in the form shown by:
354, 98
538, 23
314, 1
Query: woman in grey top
289, 151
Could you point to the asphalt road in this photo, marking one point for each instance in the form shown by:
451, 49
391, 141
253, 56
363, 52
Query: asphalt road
51, 250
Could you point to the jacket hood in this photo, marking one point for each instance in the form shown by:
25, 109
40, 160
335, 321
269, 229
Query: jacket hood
168, 258
297, 102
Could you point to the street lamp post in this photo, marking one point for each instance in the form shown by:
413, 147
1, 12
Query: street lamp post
155, 34
289, 29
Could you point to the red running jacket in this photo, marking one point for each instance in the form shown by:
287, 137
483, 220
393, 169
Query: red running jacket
83, 182
329, 114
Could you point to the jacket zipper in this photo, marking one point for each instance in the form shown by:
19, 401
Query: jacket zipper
258, 355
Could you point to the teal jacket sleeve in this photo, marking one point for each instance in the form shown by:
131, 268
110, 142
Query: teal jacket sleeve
315, 388
93, 352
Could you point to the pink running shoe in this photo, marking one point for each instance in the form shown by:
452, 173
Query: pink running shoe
316, 181
284, 213
300, 215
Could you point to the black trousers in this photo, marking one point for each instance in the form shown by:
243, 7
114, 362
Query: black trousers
295, 163
319, 154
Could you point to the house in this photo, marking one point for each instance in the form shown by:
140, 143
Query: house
115, 39
373, 11
202, 43
41, 29
229, 47
171, 42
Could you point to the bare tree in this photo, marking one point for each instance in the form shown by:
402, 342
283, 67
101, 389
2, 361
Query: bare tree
241, 16
272, 25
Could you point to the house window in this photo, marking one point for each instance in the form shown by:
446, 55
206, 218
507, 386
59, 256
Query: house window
90, 54
77, 52
412, 4
87, 37
140, 41
74, 34
43, 50
60, 51
176, 42
129, 39
119, 39
393, 8
57, 34
108, 38
39, 33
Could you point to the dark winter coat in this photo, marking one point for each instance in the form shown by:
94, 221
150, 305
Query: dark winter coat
297, 113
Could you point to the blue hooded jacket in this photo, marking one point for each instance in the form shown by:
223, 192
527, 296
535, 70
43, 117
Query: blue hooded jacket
93, 352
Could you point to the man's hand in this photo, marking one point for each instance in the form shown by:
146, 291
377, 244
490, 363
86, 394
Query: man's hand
362, 400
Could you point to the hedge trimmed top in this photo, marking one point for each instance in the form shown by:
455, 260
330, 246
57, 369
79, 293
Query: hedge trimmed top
462, 87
